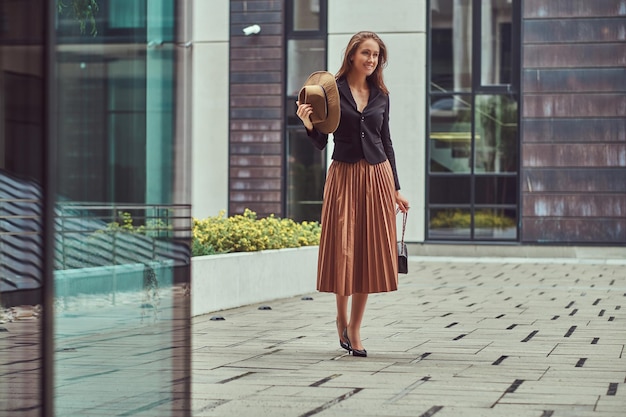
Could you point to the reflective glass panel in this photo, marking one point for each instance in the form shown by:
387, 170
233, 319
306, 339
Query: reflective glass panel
22, 136
496, 134
127, 14
122, 237
306, 14
450, 133
496, 46
495, 223
492, 189
305, 179
449, 224
451, 45
473, 146
303, 57
451, 189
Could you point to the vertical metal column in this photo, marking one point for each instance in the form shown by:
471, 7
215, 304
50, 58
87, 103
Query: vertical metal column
49, 191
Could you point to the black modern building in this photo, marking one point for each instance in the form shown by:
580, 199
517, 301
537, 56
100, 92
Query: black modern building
518, 124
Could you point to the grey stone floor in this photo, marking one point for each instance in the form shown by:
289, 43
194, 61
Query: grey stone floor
461, 337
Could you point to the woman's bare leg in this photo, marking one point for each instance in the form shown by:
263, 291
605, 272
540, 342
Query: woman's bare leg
342, 314
356, 317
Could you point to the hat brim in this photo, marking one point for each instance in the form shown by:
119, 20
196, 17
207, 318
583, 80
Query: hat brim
329, 84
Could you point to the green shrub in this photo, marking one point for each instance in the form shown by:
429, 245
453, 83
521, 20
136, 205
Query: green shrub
201, 249
153, 227
219, 234
461, 219
246, 233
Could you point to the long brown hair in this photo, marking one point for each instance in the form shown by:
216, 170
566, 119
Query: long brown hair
377, 76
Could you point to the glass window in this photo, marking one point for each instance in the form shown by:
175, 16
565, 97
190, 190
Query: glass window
305, 185
495, 224
449, 224
22, 190
127, 14
122, 261
496, 134
451, 189
451, 45
450, 133
496, 189
303, 57
496, 41
117, 281
474, 138
483, 224
305, 164
306, 15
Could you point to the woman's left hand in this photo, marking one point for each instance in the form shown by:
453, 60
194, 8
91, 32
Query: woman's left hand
403, 203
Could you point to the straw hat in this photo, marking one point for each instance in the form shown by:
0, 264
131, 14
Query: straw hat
320, 90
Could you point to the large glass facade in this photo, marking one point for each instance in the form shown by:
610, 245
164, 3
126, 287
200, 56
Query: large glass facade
22, 190
473, 149
90, 134
306, 53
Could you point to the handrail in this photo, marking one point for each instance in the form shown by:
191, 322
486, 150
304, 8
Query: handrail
89, 234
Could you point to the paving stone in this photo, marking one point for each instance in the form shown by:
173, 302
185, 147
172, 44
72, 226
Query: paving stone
461, 337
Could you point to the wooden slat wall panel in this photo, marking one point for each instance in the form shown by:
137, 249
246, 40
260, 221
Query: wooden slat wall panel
252, 100
255, 160
588, 155
560, 230
573, 55
574, 30
256, 113
573, 8
255, 148
257, 207
610, 80
574, 105
256, 107
588, 130
252, 184
578, 205
573, 121
575, 181
255, 172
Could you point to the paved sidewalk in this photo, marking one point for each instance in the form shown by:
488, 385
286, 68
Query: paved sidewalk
461, 337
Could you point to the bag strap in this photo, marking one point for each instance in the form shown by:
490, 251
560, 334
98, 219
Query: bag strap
404, 216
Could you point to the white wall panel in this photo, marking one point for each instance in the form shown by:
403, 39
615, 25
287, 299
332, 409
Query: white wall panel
210, 108
350, 16
211, 21
405, 77
401, 25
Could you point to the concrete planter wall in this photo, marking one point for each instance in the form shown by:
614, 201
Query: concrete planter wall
236, 279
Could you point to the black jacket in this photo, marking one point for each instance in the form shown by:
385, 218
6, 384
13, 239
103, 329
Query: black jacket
361, 135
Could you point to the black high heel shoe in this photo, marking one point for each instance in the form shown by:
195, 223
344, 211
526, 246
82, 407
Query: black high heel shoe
355, 352
345, 345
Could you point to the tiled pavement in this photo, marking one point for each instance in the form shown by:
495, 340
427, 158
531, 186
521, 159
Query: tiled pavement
461, 337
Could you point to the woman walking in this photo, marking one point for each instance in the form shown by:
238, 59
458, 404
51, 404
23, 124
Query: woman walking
358, 252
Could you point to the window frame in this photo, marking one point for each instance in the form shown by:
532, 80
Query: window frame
511, 89
321, 34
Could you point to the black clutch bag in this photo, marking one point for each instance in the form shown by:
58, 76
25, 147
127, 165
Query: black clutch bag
403, 257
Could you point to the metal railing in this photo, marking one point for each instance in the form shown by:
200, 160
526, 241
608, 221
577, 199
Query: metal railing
87, 235
91, 235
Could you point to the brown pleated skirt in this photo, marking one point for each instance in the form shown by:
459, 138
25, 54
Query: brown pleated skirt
358, 246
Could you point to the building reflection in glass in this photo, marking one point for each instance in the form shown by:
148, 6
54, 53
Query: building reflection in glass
21, 195
119, 220
122, 253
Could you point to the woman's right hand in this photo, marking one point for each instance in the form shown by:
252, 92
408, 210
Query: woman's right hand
304, 112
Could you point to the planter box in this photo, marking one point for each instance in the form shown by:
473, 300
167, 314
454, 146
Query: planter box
236, 279
108, 279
